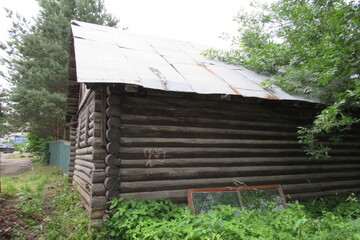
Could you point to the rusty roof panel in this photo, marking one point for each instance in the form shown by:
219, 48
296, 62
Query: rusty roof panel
110, 55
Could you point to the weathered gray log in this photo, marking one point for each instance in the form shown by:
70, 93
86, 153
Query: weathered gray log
113, 111
114, 122
112, 183
84, 151
198, 130
223, 182
95, 106
114, 100
86, 178
98, 201
94, 132
146, 174
111, 171
94, 124
180, 152
113, 134
88, 157
112, 194
85, 195
98, 176
201, 122
84, 169
97, 214
95, 116
99, 154
98, 189
95, 142
86, 186
113, 147
203, 142
173, 195
95, 165
112, 160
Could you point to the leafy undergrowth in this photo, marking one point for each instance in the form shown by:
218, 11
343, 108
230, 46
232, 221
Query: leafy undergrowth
47, 206
329, 218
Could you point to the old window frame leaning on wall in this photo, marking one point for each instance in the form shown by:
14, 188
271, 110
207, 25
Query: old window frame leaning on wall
237, 197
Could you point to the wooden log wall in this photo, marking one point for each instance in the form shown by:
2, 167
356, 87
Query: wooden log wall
163, 143
89, 168
72, 130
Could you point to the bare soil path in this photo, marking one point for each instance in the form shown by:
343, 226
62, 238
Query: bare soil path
10, 166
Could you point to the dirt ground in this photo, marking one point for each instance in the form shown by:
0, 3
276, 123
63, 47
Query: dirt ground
9, 218
9, 166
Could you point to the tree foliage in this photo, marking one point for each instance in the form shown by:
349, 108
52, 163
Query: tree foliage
38, 57
311, 47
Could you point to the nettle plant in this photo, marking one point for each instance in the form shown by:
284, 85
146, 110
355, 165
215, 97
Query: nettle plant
333, 218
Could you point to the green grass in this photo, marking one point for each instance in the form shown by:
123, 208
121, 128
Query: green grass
48, 204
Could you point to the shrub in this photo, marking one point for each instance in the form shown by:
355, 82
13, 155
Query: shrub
149, 219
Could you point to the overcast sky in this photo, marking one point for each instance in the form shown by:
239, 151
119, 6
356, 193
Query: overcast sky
198, 21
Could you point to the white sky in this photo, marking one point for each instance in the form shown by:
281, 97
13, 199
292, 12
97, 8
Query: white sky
198, 21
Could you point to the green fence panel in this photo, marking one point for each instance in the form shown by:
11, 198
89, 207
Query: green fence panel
60, 155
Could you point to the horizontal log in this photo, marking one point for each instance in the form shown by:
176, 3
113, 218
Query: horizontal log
91, 165
113, 134
112, 194
112, 160
114, 122
147, 131
95, 116
86, 178
94, 132
204, 142
179, 152
85, 186
98, 176
219, 108
98, 201
177, 196
85, 197
201, 122
158, 185
112, 183
95, 106
84, 151
113, 147
84, 169
94, 124
97, 214
111, 171
113, 100
222, 162
179, 129
149, 174
113, 111
95, 142
98, 189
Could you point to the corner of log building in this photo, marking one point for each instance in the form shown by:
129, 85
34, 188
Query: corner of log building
158, 144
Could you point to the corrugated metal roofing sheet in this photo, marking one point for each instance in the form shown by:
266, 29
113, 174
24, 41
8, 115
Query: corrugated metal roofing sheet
110, 55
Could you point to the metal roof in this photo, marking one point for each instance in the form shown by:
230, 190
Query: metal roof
110, 55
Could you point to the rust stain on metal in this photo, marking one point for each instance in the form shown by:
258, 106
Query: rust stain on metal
162, 78
210, 71
271, 96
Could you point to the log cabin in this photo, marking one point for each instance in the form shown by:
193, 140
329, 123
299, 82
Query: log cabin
151, 117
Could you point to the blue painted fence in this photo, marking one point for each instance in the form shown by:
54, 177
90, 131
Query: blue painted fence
60, 155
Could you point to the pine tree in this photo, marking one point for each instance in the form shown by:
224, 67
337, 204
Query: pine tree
37, 61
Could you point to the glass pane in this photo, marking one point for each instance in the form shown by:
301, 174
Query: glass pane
204, 201
261, 199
